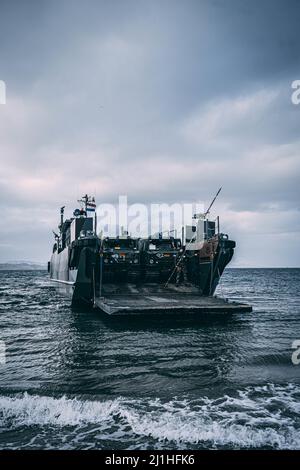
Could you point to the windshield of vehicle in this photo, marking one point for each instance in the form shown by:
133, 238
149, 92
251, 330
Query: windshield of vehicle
161, 245
115, 244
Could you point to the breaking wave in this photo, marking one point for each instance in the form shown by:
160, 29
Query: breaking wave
256, 417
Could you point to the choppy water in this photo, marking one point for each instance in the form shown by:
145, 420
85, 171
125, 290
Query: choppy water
80, 380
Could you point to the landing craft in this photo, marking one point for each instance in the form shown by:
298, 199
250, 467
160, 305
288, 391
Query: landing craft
155, 275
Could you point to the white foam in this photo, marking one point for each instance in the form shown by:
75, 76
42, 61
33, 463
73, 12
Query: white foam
258, 417
28, 410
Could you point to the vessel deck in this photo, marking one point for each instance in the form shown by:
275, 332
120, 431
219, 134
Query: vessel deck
155, 300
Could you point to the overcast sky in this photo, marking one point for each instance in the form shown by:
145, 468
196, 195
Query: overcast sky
164, 101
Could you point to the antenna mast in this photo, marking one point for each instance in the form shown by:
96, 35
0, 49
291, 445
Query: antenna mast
212, 202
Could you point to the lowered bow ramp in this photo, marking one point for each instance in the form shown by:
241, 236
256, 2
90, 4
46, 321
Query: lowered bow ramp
166, 303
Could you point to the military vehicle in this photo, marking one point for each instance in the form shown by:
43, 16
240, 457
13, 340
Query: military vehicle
121, 259
158, 257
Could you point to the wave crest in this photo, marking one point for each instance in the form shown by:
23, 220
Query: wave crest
256, 417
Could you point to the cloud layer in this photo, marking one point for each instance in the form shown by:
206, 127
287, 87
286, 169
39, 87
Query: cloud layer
162, 101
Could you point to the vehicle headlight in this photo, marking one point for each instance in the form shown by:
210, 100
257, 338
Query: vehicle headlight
136, 260
151, 261
106, 260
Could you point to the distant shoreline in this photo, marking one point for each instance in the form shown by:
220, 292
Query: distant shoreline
22, 267
263, 267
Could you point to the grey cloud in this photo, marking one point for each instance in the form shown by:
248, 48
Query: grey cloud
117, 96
